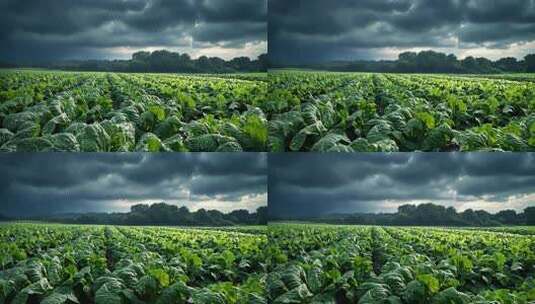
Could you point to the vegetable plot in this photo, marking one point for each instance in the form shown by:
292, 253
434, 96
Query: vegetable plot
353, 112
97, 264
99, 112
372, 265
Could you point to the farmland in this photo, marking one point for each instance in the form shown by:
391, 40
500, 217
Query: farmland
49, 263
99, 112
362, 112
373, 264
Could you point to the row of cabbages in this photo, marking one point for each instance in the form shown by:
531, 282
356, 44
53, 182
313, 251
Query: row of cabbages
85, 120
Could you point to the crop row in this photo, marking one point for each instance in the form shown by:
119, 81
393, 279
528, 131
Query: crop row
317, 111
303, 263
340, 264
97, 264
54, 111
301, 111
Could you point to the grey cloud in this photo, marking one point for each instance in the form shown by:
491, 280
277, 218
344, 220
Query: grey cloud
39, 30
227, 35
231, 11
58, 182
240, 186
318, 30
496, 35
491, 11
314, 184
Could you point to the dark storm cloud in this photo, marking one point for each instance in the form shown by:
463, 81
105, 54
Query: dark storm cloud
40, 30
497, 35
225, 10
45, 183
224, 34
316, 30
315, 184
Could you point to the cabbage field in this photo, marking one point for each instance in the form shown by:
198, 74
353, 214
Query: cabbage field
360, 112
293, 111
387, 265
47, 263
94, 112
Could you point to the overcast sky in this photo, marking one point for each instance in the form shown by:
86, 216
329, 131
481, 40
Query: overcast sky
81, 29
320, 30
49, 183
310, 184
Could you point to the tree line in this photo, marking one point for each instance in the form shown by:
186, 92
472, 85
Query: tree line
429, 62
431, 215
162, 61
165, 215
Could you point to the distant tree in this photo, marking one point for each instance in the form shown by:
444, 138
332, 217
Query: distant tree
263, 62
428, 62
530, 215
508, 64
240, 63
203, 63
262, 215
164, 214
421, 62
137, 218
407, 62
508, 217
165, 61
183, 211
141, 56
529, 62
469, 216
140, 208
486, 219
407, 57
432, 215
451, 212
240, 215
201, 217
469, 64
406, 209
